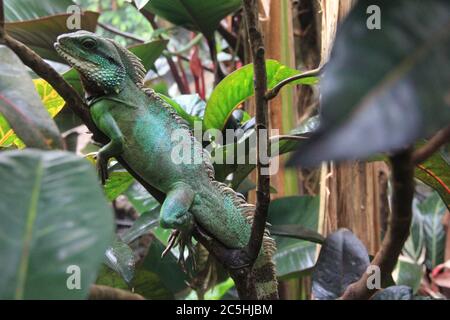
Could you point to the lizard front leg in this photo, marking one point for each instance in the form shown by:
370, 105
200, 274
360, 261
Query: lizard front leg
106, 123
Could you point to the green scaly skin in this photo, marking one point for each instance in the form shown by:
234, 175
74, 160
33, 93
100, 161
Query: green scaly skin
140, 127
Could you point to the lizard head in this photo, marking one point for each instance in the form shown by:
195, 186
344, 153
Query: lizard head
103, 64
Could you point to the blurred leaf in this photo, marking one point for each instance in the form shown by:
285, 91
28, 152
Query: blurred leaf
54, 216
117, 183
22, 107
141, 200
409, 273
238, 87
432, 211
383, 89
415, 243
203, 16
146, 222
292, 255
394, 293
120, 258
37, 24
219, 290
342, 260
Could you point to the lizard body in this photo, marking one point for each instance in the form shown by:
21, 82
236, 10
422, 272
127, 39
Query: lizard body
140, 127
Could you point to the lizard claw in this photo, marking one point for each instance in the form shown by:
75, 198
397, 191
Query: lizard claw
102, 168
171, 243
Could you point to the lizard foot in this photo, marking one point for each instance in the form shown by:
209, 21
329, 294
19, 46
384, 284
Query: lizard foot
101, 164
183, 240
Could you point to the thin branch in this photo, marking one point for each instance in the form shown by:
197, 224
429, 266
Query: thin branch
120, 33
433, 145
218, 73
45, 71
2, 22
100, 292
233, 41
398, 229
260, 82
311, 73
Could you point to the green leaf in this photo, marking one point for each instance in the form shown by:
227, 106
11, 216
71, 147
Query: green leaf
342, 260
147, 52
54, 216
117, 183
197, 15
166, 268
144, 283
22, 107
37, 24
432, 211
408, 273
120, 258
384, 89
141, 200
146, 222
240, 158
292, 255
238, 87
180, 110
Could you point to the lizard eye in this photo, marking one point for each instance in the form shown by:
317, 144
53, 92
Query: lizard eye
89, 43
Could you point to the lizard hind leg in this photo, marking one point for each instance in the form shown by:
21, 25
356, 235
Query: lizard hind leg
175, 215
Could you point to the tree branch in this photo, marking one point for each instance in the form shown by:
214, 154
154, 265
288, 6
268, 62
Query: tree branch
2, 22
100, 292
312, 73
433, 145
120, 33
232, 41
398, 229
45, 71
260, 82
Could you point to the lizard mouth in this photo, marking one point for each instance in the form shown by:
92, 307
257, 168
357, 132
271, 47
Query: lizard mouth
75, 61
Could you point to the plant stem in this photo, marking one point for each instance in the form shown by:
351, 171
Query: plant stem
433, 145
312, 73
260, 83
398, 229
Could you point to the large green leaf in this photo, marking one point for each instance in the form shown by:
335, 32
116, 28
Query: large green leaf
22, 107
238, 87
54, 218
197, 15
342, 260
147, 52
384, 89
408, 273
38, 23
293, 255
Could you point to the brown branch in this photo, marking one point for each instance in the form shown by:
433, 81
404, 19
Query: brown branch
271, 94
2, 22
260, 82
433, 145
398, 229
118, 32
100, 292
233, 41
45, 71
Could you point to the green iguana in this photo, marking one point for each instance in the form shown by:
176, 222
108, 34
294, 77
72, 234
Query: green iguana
140, 125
